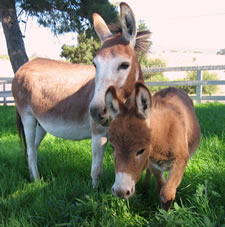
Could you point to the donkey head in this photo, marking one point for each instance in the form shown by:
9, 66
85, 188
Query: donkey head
130, 137
116, 62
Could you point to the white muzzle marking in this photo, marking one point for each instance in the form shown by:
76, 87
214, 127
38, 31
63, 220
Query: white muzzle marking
124, 186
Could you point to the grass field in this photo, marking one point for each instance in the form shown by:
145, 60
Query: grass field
64, 195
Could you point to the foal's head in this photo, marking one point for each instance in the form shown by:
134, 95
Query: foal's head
116, 62
130, 136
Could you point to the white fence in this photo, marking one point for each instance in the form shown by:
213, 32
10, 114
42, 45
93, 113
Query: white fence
7, 98
198, 83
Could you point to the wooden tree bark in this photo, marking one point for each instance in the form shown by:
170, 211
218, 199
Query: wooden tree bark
13, 35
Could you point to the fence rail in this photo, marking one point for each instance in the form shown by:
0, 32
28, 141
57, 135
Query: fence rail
6, 94
199, 97
184, 68
198, 83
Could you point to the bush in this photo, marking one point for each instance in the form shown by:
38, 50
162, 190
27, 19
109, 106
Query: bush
221, 52
150, 63
155, 78
209, 90
145, 62
84, 52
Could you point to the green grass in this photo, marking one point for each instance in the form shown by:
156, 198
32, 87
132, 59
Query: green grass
64, 195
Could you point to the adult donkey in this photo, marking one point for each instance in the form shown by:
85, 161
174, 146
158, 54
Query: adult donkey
54, 97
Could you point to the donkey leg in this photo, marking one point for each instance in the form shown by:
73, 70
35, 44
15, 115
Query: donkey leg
159, 177
99, 141
168, 191
30, 123
98, 148
39, 136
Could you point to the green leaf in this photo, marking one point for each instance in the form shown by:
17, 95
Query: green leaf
207, 221
176, 206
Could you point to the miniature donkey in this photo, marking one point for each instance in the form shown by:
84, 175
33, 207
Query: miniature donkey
158, 133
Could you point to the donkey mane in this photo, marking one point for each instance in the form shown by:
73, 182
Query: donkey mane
142, 39
142, 42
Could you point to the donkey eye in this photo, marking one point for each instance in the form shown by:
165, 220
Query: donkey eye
140, 152
124, 66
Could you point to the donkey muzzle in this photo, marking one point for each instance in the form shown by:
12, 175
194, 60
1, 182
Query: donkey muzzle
124, 186
99, 114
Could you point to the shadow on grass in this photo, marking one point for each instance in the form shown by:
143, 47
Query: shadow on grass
65, 191
65, 178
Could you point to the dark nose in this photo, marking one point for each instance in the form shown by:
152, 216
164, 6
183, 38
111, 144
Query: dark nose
123, 193
98, 113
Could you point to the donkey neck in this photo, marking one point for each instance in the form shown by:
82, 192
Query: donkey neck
140, 76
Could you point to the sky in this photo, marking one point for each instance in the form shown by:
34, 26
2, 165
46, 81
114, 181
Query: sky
183, 24
197, 25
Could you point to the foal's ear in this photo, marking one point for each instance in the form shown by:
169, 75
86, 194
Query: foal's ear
100, 27
113, 104
128, 23
143, 100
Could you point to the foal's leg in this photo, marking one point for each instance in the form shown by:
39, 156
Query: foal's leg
30, 123
168, 191
159, 177
99, 141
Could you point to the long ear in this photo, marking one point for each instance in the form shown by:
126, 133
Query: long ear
113, 104
101, 28
128, 23
143, 100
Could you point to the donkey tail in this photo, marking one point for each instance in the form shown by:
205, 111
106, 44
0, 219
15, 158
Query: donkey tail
20, 129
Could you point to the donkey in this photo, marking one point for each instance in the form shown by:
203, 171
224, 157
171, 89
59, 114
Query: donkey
53, 96
158, 133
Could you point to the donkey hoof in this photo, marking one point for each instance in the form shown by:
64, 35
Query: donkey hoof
95, 183
166, 206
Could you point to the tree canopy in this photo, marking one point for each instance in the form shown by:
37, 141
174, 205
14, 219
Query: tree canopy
84, 52
58, 15
68, 15
86, 48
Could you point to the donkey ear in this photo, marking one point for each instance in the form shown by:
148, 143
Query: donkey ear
128, 23
143, 100
100, 27
112, 102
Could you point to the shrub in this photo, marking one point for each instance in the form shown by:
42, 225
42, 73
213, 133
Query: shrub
155, 78
84, 52
207, 89
221, 52
152, 77
150, 63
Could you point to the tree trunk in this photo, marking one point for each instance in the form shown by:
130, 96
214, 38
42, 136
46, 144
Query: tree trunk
13, 35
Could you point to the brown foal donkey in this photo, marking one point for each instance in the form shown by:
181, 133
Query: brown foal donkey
158, 133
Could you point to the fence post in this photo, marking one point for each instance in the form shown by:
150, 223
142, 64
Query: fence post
199, 87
